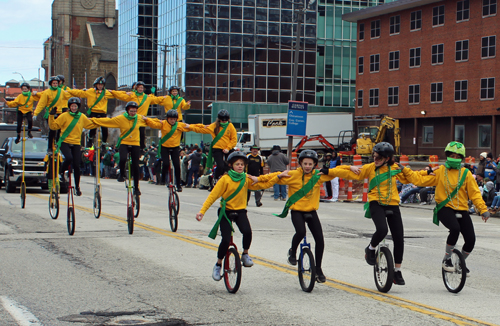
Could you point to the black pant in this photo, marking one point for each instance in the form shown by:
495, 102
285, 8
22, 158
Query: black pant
258, 196
463, 225
103, 129
220, 159
395, 224
299, 222
72, 154
20, 116
329, 191
53, 135
135, 153
166, 153
225, 229
142, 135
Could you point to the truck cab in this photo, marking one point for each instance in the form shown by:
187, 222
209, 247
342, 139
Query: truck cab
246, 140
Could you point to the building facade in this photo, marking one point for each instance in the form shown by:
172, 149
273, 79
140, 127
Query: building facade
432, 65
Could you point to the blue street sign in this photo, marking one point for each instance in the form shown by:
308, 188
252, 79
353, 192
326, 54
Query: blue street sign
297, 119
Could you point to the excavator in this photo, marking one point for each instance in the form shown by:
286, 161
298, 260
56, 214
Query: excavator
366, 140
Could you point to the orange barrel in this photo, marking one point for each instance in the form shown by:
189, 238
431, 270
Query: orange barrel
341, 187
365, 190
322, 192
357, 161
293, 165
349, 190
403, 159
470, 160
433, 159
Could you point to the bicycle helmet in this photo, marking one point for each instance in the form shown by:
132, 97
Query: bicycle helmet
61, 78
174, 87
53, 78
25, 84
140, 83
308, 153
236, 156
131, 104
384, 149
223, 115
455, 147
99, 80
172, 114
74, 100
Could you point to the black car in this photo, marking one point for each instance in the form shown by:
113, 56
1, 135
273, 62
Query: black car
11, 163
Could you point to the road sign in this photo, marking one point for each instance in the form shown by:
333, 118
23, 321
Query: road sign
297, 119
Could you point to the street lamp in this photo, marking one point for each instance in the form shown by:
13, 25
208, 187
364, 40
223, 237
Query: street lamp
24, 80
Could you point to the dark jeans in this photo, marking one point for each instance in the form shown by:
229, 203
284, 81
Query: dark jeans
220, 159
193, 173
395, 224
29, 118
299, 222
413, 191
424, 193
456, 225
135, 152
103, 129
72, 154
142, 135
225, 229
329, 191
166, 154
258, 196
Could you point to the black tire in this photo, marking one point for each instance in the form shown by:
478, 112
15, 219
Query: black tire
97, 204
383, 270
307, 270
10, 188
71, 221
54, 205
232, 270
455, 281
137, 205
23, 195
130, 219
173, 212
64, 187
44, 186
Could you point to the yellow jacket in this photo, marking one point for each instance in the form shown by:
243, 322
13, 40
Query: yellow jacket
92, 95
168, 103
226, 186
175, 140
368, 172
227, 141
143, 109
63, 121
20, 102
48, 96
64, 103
469, 189
124, 124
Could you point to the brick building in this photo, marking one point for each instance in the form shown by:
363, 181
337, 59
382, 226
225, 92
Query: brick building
432, 65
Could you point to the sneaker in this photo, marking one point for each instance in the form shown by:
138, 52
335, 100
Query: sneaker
329, 198
276, 199
18, 139
334, 200
448, 265
216, 273
30, 135
398, 278
423, 203
137, 192
258, 204
370, 256
78, 192
188, 186
179, 188
467, 271
247, 261
292, 260
320, 277
283, 198
120, 178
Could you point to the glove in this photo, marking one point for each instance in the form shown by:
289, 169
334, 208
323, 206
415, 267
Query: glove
53, 111
34, 117
153, 89
324, 170
486, 215
401, 166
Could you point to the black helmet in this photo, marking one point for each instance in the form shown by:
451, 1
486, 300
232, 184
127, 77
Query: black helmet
139, 83
99, 80
384, 149
25, 84
308, 153
61, 78
223, 114
133, 85
236, 156
276, 148
53, 78
174, 87
172, 114
74, 100
131, 104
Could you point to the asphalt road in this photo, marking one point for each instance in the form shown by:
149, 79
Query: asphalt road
104, 276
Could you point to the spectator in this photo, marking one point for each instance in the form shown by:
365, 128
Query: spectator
481, 166
151, 164
411, 190
108, 163
490, 167
277, 162
195, 159
489, 193
255, 167
424, 195
334, 162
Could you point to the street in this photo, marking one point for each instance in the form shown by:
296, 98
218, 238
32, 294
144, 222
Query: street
104, 276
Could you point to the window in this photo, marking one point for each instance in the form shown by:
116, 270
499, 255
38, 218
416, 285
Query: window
487, 88
394, 60
374, 62
360, 98
361, 67
375, 30
484, 133
415, 57
416, 20
462, 50
461, 90
361, 32
414, 94
488, 48
436, 92
437, 54
460, 133
395, 25
489, 7
462, 10
393, 96
428, 136
438, 16
374, 97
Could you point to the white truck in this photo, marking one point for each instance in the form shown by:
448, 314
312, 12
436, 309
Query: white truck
267, 130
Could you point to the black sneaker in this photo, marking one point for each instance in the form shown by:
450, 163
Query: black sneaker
370, 256
258, 204
30, 135
320, 277
179, 188
398, 278
120, 178
18, 139
448, 265
78, 192
137, 192
291, 258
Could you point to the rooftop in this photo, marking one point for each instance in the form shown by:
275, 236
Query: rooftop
384, 9
105, 38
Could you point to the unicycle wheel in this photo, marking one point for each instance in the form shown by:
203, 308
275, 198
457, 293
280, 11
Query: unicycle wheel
232, 270
306, 270
383, 270
137, 204
130, 219
455, 281
71, 221
54, 205
97, 204
23, 195
173, 210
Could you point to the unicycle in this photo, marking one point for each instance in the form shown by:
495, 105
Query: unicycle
23, 183
232, 268
54, 184
97, 180
71, 205
455, 281
383, 270
133, 200
173, 202
306, 267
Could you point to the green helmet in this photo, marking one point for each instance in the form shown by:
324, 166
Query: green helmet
455, 147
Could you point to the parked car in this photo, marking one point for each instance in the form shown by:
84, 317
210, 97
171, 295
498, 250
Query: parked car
11, 161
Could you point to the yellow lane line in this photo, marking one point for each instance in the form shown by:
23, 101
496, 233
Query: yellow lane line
333, 283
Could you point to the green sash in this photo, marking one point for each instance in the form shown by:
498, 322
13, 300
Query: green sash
97, 101
144, 98
176, 105
222, 213
435, 219
300, 194
47, 109
210, 162
68, 130
127, 133
166, 137
373, 183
